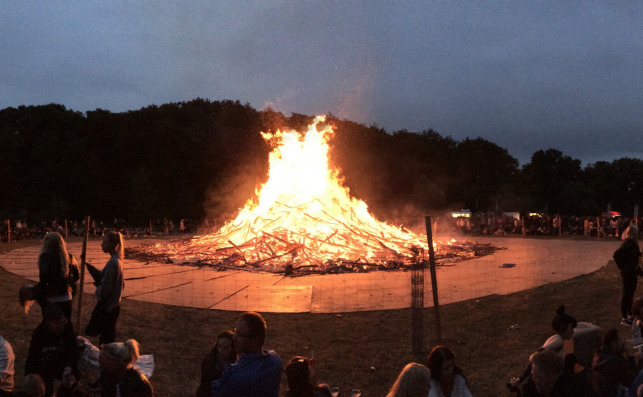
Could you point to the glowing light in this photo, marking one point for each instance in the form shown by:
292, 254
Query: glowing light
302, 216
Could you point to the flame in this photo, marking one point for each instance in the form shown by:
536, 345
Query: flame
303, 216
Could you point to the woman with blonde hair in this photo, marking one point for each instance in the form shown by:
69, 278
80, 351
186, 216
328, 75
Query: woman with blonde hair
58, 274
413, 381
109, 288
118, 377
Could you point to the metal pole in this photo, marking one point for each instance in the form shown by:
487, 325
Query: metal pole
434, 279
417, 307
82, 275
9, 231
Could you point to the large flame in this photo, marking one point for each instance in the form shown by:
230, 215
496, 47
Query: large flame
304, 217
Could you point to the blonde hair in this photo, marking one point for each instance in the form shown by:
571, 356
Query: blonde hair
127, 353
117, 239
53, 243
633, 233
413, 381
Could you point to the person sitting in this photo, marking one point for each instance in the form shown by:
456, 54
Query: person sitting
220, 357
563, 325
447, 379
413, 381
52, 349
118, 377
7, 362
637, 330
32, 385
257, 372
302, 379
546, 380
612, 369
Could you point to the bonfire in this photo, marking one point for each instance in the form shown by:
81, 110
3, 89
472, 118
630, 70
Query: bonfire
303, 220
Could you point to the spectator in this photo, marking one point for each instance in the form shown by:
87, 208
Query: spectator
628, 260
32, 386
58, 272
257, 372
220, 357
118, 377
563, 325
7, 361
612, 370
302, 379
413, 381
637, 329
53, 348
110, 285
547, 376
447, 379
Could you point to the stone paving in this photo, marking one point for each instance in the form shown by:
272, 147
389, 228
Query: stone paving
520, 264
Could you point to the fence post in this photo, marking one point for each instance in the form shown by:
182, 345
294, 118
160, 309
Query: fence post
82, 274
417, 307
434, 279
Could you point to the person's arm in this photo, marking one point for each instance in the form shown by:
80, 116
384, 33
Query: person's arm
106, 286
7, 359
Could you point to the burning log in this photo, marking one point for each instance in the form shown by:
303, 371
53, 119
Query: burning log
303, 221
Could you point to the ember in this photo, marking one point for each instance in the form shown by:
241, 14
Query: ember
304, 221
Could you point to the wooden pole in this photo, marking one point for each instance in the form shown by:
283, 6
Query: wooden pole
82, 275
434, 279
9, 231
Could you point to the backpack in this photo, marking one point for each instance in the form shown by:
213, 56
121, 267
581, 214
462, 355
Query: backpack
620, 257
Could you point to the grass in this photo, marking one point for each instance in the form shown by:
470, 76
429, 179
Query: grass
364, 350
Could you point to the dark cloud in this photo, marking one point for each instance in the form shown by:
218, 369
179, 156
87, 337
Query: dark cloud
526, 76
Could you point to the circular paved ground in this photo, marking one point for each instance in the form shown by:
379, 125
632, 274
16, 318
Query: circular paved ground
522, 264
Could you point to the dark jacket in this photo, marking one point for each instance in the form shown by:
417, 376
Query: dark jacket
627, 256
609, 369
49, 354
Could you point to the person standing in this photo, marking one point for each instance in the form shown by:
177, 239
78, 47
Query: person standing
58, 274
628, 260
257, 372
109, 289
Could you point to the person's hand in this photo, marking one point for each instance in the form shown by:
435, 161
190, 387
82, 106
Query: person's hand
68, 379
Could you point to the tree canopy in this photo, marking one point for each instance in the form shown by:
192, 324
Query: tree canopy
206, 158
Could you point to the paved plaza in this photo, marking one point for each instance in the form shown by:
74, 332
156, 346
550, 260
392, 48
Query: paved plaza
519, 264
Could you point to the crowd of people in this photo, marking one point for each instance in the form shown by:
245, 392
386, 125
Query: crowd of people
239, 365
55, 347
15, 230
606, 225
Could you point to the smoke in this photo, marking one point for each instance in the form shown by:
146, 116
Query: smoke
226, 198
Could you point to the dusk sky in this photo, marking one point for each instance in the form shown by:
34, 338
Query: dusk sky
525, 75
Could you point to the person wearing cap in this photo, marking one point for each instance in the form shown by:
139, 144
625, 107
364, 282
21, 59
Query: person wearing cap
257, 372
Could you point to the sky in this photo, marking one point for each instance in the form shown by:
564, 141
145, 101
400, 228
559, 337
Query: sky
525, 75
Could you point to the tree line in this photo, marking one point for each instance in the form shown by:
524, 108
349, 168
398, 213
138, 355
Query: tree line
205, 158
